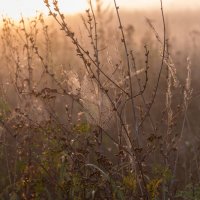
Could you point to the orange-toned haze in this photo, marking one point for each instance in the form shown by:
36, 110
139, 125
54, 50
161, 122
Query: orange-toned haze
28, 8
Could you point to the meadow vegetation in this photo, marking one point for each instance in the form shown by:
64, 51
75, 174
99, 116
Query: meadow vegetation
100, 106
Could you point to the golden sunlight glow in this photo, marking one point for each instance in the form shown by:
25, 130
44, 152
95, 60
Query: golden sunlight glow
73, 6
28, 8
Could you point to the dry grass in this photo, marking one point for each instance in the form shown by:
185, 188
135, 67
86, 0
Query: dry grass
86, 114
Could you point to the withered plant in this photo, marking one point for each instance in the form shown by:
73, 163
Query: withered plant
99, 127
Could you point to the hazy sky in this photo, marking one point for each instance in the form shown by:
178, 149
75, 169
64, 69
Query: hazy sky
14, 8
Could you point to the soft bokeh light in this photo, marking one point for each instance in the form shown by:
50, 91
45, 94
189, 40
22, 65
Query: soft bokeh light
28, 8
